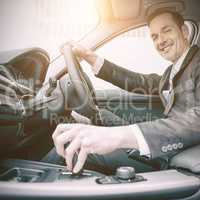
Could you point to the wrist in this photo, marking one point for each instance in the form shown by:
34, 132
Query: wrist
91, 57
127, 138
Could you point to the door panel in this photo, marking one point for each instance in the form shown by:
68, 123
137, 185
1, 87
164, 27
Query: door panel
131, 107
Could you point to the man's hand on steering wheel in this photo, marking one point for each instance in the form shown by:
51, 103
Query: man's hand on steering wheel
81, 52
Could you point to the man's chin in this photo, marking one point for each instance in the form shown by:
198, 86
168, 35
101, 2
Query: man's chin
167, 56
168, 53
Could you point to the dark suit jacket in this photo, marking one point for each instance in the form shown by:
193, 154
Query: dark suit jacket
181, 127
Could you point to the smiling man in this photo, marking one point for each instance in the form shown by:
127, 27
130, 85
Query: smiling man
179, 90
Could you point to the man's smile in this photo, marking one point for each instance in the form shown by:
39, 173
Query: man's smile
166, 49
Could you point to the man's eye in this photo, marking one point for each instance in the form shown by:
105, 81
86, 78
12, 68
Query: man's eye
167, 30
154, 38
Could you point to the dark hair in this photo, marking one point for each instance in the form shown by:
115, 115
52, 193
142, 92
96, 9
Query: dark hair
175, 15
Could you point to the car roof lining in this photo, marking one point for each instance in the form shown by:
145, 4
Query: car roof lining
137, 10
134, 9
110, 25
112, 10
126, 9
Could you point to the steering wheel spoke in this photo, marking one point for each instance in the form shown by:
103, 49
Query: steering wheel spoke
84, 91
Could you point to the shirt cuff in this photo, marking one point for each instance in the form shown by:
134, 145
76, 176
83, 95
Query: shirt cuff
142, 144
97, 65
80, 118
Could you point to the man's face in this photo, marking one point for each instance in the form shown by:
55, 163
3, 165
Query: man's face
169, 39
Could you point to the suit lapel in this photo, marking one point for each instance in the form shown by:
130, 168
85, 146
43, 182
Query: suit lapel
185, 64
164, 83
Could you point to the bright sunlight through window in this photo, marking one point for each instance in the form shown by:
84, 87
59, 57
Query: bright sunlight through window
44, 23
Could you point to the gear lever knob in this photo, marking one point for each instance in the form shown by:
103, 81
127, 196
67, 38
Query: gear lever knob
125, 173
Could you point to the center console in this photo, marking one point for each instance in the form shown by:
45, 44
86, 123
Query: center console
21, 179
23, 171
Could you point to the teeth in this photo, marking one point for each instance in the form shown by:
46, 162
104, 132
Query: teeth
165, 48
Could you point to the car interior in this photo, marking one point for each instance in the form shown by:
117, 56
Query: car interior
26, 170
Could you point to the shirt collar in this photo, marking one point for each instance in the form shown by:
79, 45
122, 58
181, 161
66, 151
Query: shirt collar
179, 62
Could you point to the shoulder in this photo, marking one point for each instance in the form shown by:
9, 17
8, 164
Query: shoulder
195, 62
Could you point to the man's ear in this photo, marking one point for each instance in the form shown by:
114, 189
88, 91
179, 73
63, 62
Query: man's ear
185, 31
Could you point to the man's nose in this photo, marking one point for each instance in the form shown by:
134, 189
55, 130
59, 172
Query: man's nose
161, 40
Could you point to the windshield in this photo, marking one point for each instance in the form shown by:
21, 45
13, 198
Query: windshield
45, 23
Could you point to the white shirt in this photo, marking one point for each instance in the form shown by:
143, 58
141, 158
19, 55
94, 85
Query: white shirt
143, 146
175, 69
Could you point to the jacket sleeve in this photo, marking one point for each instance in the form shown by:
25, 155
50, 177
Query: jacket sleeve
129, 80
167, 137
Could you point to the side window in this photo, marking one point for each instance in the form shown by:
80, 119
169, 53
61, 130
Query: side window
133, 50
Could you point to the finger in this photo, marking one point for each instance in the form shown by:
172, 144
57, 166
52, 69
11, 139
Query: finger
66, 136
77, 50
70, 152
82, 156
61, 128
68, 44
60, 141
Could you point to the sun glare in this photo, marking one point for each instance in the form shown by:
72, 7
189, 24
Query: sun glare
48, 23
67, 20
83, 12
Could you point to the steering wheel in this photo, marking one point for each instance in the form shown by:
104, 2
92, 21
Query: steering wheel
83, 100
